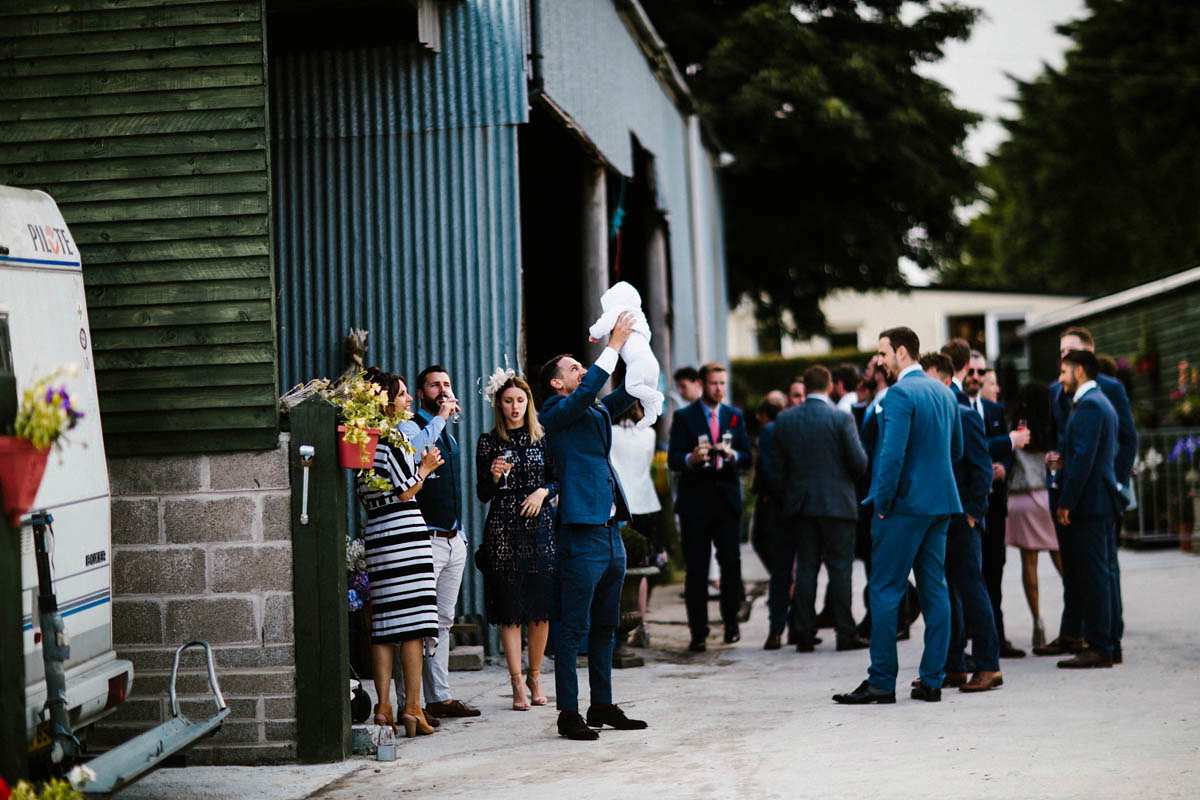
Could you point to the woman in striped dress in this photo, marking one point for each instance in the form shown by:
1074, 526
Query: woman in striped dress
399, 566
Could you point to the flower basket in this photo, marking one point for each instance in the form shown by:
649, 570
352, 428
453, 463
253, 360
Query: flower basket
355, 455
21, 468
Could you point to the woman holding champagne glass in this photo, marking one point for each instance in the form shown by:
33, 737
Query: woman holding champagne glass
515, 476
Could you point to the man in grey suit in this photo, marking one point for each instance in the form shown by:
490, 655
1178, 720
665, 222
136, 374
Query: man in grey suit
817, 456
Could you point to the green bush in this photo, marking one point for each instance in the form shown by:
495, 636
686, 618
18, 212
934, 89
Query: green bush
752, 378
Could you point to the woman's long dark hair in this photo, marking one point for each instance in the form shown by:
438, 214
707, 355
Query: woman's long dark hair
388, 381
1033, 406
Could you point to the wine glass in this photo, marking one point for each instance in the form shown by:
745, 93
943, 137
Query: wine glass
455, 415
425, 450
510, 458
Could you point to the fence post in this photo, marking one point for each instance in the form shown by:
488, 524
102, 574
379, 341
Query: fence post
319, 576
12, 657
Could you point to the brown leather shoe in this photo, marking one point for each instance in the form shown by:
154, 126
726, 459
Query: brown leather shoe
1088, 659
983, 680
1061, 646
451, 708
953, 679
773, 642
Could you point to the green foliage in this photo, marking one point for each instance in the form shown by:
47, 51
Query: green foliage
846, 159
363, 407
56, 789
1096, 186
752, 378
45, 413
637, 548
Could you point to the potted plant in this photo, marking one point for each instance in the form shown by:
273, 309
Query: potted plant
363, 408
43, 417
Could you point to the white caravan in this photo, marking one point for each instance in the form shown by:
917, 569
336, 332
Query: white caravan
44, 326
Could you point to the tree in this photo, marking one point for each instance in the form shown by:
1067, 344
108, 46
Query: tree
1098, 186
846, 160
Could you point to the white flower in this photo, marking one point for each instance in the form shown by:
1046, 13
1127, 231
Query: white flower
81, 776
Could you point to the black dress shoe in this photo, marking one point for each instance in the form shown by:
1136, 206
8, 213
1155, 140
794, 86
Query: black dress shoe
772, 642
732, 634
852, 643
864, 694
805, 645
1008, 651
697, 646
824, 619
901, 635
923, 692
611, 715
1118, 656
572, 726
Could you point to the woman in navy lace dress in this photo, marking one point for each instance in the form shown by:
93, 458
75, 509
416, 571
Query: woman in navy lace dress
518, 538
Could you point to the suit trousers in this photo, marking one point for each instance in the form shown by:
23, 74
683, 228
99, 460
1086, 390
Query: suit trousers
591, 570
701, 530
449, 561
816, 540
995, 554
900, 543
1071, 623
1094, 570
970, 604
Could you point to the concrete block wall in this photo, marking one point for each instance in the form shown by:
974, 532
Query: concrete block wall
202, 550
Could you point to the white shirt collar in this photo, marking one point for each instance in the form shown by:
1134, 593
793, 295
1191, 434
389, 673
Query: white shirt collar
957, 383
819, 396
906, 370
1083, 389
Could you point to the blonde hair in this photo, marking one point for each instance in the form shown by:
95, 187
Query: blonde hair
532, 426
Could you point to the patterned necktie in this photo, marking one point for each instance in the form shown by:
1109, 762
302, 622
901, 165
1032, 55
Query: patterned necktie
714, 429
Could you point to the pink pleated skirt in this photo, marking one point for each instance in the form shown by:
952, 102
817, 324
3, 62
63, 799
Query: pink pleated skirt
1030, 524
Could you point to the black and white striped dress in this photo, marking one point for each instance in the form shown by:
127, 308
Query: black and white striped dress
399, 554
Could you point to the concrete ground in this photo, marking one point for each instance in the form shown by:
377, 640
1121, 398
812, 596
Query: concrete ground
738, 721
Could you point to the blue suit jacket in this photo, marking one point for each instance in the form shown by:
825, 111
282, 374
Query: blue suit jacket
1127, 438
578, 440
701, 487
920, 438
1000, 448
1089, 482
973, 472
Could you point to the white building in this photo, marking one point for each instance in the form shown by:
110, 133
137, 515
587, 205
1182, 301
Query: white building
989, 320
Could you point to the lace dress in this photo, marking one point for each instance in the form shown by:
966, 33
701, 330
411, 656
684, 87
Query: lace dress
519, 582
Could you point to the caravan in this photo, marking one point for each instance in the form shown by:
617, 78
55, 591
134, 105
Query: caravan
44, 326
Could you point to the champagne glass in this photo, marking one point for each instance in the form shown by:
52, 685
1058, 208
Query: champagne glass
455, 415
510, 458
425, 450
704, 442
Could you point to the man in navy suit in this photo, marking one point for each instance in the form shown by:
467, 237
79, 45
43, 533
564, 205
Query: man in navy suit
915, 494
1001, 443
709, 448
1088, 503
970, 605
591, 556
817, 456
1070, 637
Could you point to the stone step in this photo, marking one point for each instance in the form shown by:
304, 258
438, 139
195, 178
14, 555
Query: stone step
466, 657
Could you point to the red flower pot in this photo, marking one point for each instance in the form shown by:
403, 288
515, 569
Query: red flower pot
21, 468
352, 455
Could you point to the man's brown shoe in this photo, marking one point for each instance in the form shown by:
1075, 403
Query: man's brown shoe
953, 679
1088, 659
982, 681
451, 708
773, 642
1061, 646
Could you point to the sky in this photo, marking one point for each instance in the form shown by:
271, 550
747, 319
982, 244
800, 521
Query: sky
1014, 37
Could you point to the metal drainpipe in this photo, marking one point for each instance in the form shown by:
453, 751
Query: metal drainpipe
535, 48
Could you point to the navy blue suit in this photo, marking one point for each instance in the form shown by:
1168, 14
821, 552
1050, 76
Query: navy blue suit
591, 555
970, 603
1000, 447
914, 492
1088, 491
709, 504
1123, 458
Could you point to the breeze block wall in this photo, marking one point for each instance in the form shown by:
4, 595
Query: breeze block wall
202, 550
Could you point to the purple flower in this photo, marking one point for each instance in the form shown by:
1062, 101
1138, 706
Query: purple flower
353, 600
360, 583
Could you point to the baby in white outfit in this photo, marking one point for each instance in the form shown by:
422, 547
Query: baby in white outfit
641, 367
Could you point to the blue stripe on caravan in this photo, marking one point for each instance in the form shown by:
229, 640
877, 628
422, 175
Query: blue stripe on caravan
98, 602
39, 261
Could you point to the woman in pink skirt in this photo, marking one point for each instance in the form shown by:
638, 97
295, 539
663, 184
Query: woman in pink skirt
1030, 524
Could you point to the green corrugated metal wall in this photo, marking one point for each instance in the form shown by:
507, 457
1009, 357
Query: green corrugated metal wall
146, 121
